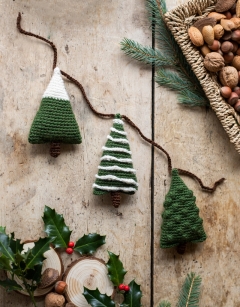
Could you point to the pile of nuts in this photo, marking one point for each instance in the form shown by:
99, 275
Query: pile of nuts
218, 37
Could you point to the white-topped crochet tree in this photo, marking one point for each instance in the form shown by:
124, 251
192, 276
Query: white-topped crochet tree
116, 173
55, 121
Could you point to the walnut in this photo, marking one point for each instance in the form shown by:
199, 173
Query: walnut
229, 76
213, 62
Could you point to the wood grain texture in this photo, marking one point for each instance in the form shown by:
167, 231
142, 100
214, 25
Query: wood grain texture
87, 35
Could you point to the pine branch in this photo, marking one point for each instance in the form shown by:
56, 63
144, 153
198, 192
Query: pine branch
189, 92
144, 54
164, 304
189, 296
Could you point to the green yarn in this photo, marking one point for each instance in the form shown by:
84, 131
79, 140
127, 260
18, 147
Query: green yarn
181, 221
127, 173
54, 122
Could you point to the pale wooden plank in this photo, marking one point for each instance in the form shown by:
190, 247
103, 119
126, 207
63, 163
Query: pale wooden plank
87, 34
197, 142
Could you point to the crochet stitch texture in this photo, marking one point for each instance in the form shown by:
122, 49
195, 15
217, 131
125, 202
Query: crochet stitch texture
181, 221
55, 120
116, 172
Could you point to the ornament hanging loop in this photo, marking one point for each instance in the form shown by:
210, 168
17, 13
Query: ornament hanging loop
39, 37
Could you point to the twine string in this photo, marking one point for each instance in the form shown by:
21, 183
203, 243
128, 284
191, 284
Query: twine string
110, 115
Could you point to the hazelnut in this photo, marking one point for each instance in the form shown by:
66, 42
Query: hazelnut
213, 62
233, 98
236, 35
229, 76
236, 62
237, 90
237, 106
215, 45
228, 15
60, 287
225, 91
226, 47
235, 46
228, 57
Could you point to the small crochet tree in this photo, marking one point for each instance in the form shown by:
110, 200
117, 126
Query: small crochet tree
55, 121
181, 221
116, 173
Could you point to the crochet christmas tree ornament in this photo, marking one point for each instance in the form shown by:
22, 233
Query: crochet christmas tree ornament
116, 173
55, 121
181, 221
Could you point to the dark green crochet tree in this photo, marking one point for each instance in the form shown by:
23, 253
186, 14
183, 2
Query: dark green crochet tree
181, 221
55, 121
116, 173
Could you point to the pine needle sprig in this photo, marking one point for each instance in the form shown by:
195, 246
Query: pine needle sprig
172, 69
145, 54
164, 304
189, 296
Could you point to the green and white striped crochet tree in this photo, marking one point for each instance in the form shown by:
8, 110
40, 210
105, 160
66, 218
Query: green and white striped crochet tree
55, 121
116, 173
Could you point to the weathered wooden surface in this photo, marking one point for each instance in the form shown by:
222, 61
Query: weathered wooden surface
87, 35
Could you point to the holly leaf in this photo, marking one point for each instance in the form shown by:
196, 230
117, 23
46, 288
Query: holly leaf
133, 296
15, 245
36, 255
34, 274
116, 270
4, 247
89, 243
55, 227
5, 263
96, 299
2, 229
10, 285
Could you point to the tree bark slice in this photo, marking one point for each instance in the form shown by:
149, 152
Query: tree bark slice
116, 199
88, 272
53, 260
55, 149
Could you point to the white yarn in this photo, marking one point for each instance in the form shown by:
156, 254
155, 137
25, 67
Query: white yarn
111, 158
119, 131
117, 168
118, 121
119, 149
106, 188
124, 141
111, 177
56, 88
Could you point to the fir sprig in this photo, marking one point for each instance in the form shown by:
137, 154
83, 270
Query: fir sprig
190, 293
172, 69
189, 296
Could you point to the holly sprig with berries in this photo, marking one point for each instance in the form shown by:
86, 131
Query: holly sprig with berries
131, 292
56, 228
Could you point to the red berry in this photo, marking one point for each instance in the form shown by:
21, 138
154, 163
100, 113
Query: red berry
121, 287
71, 244
69, 250
126, 288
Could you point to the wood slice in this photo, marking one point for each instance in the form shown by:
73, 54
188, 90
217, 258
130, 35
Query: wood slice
88, 272
53, 260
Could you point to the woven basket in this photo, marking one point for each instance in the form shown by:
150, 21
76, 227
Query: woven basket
178, 21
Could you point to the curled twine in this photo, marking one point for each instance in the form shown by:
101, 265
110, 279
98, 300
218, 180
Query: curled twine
109, 115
